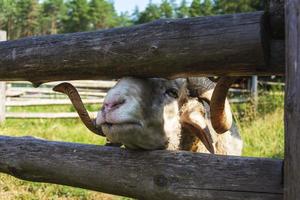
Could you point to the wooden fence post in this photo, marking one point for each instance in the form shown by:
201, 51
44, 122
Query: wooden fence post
254, 92
2, 86
292, 102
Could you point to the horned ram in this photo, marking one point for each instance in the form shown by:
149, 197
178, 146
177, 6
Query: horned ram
189, 114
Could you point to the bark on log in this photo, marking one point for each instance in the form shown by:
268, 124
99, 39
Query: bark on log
143, 175
292, 102
215, 45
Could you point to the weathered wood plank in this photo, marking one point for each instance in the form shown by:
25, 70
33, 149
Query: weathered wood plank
292, 102
44, 102
28, 115
2, 86
271, 83
143, 175
214, 45
24, 90
78, 84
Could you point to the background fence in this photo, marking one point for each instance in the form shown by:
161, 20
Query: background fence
23, 94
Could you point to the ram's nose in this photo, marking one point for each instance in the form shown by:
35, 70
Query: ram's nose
112, 104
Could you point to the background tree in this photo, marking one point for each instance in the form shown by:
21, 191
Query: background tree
53, 13
182, 11
8, 19
166, 9
152, 12
233, 6
207, 8
124, 19
195, 9
27, 13
77, 17
102, 14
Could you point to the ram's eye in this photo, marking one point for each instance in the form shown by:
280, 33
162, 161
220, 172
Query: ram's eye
172, 92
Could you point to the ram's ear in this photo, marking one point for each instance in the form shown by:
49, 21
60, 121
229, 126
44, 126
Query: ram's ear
192, 117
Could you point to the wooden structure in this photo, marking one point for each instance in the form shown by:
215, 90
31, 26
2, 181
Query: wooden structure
22, 94
143, 175
292, 102
2, 86
242, 44
218, 45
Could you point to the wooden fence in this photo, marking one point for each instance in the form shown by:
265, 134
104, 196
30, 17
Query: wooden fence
23, 94
239, 44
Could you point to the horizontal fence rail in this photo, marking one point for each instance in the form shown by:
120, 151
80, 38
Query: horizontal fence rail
22, 94
61, 115
142, 174
216, 45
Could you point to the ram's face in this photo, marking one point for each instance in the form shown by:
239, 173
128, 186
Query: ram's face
150, 113
142, 113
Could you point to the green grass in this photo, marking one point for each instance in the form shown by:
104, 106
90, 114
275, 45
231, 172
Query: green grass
262, 132
264, 136
262, 129
70, 130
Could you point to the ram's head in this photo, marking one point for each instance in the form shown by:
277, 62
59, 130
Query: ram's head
151, 113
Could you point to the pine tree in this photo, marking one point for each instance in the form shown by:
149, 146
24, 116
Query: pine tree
53, 13
152, 12
102, 14
28, 12
136, 15
124, 19
183, 10
166, 9
207, 8
77, 18
195, 8
233, 6
8, 18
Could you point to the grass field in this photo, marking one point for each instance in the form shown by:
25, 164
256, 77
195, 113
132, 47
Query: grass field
262, 132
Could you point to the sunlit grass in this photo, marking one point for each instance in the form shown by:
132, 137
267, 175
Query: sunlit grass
68, 130
262, 129
264, 137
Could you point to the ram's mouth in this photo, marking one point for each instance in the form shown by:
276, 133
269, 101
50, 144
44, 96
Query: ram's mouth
121, 124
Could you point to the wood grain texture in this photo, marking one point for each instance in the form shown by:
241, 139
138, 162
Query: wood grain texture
2, 86
39, 115
214, 45
292, 102
143, 175
17, 102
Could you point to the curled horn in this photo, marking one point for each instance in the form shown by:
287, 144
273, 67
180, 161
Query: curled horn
215, 95
72, 93
221, 116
